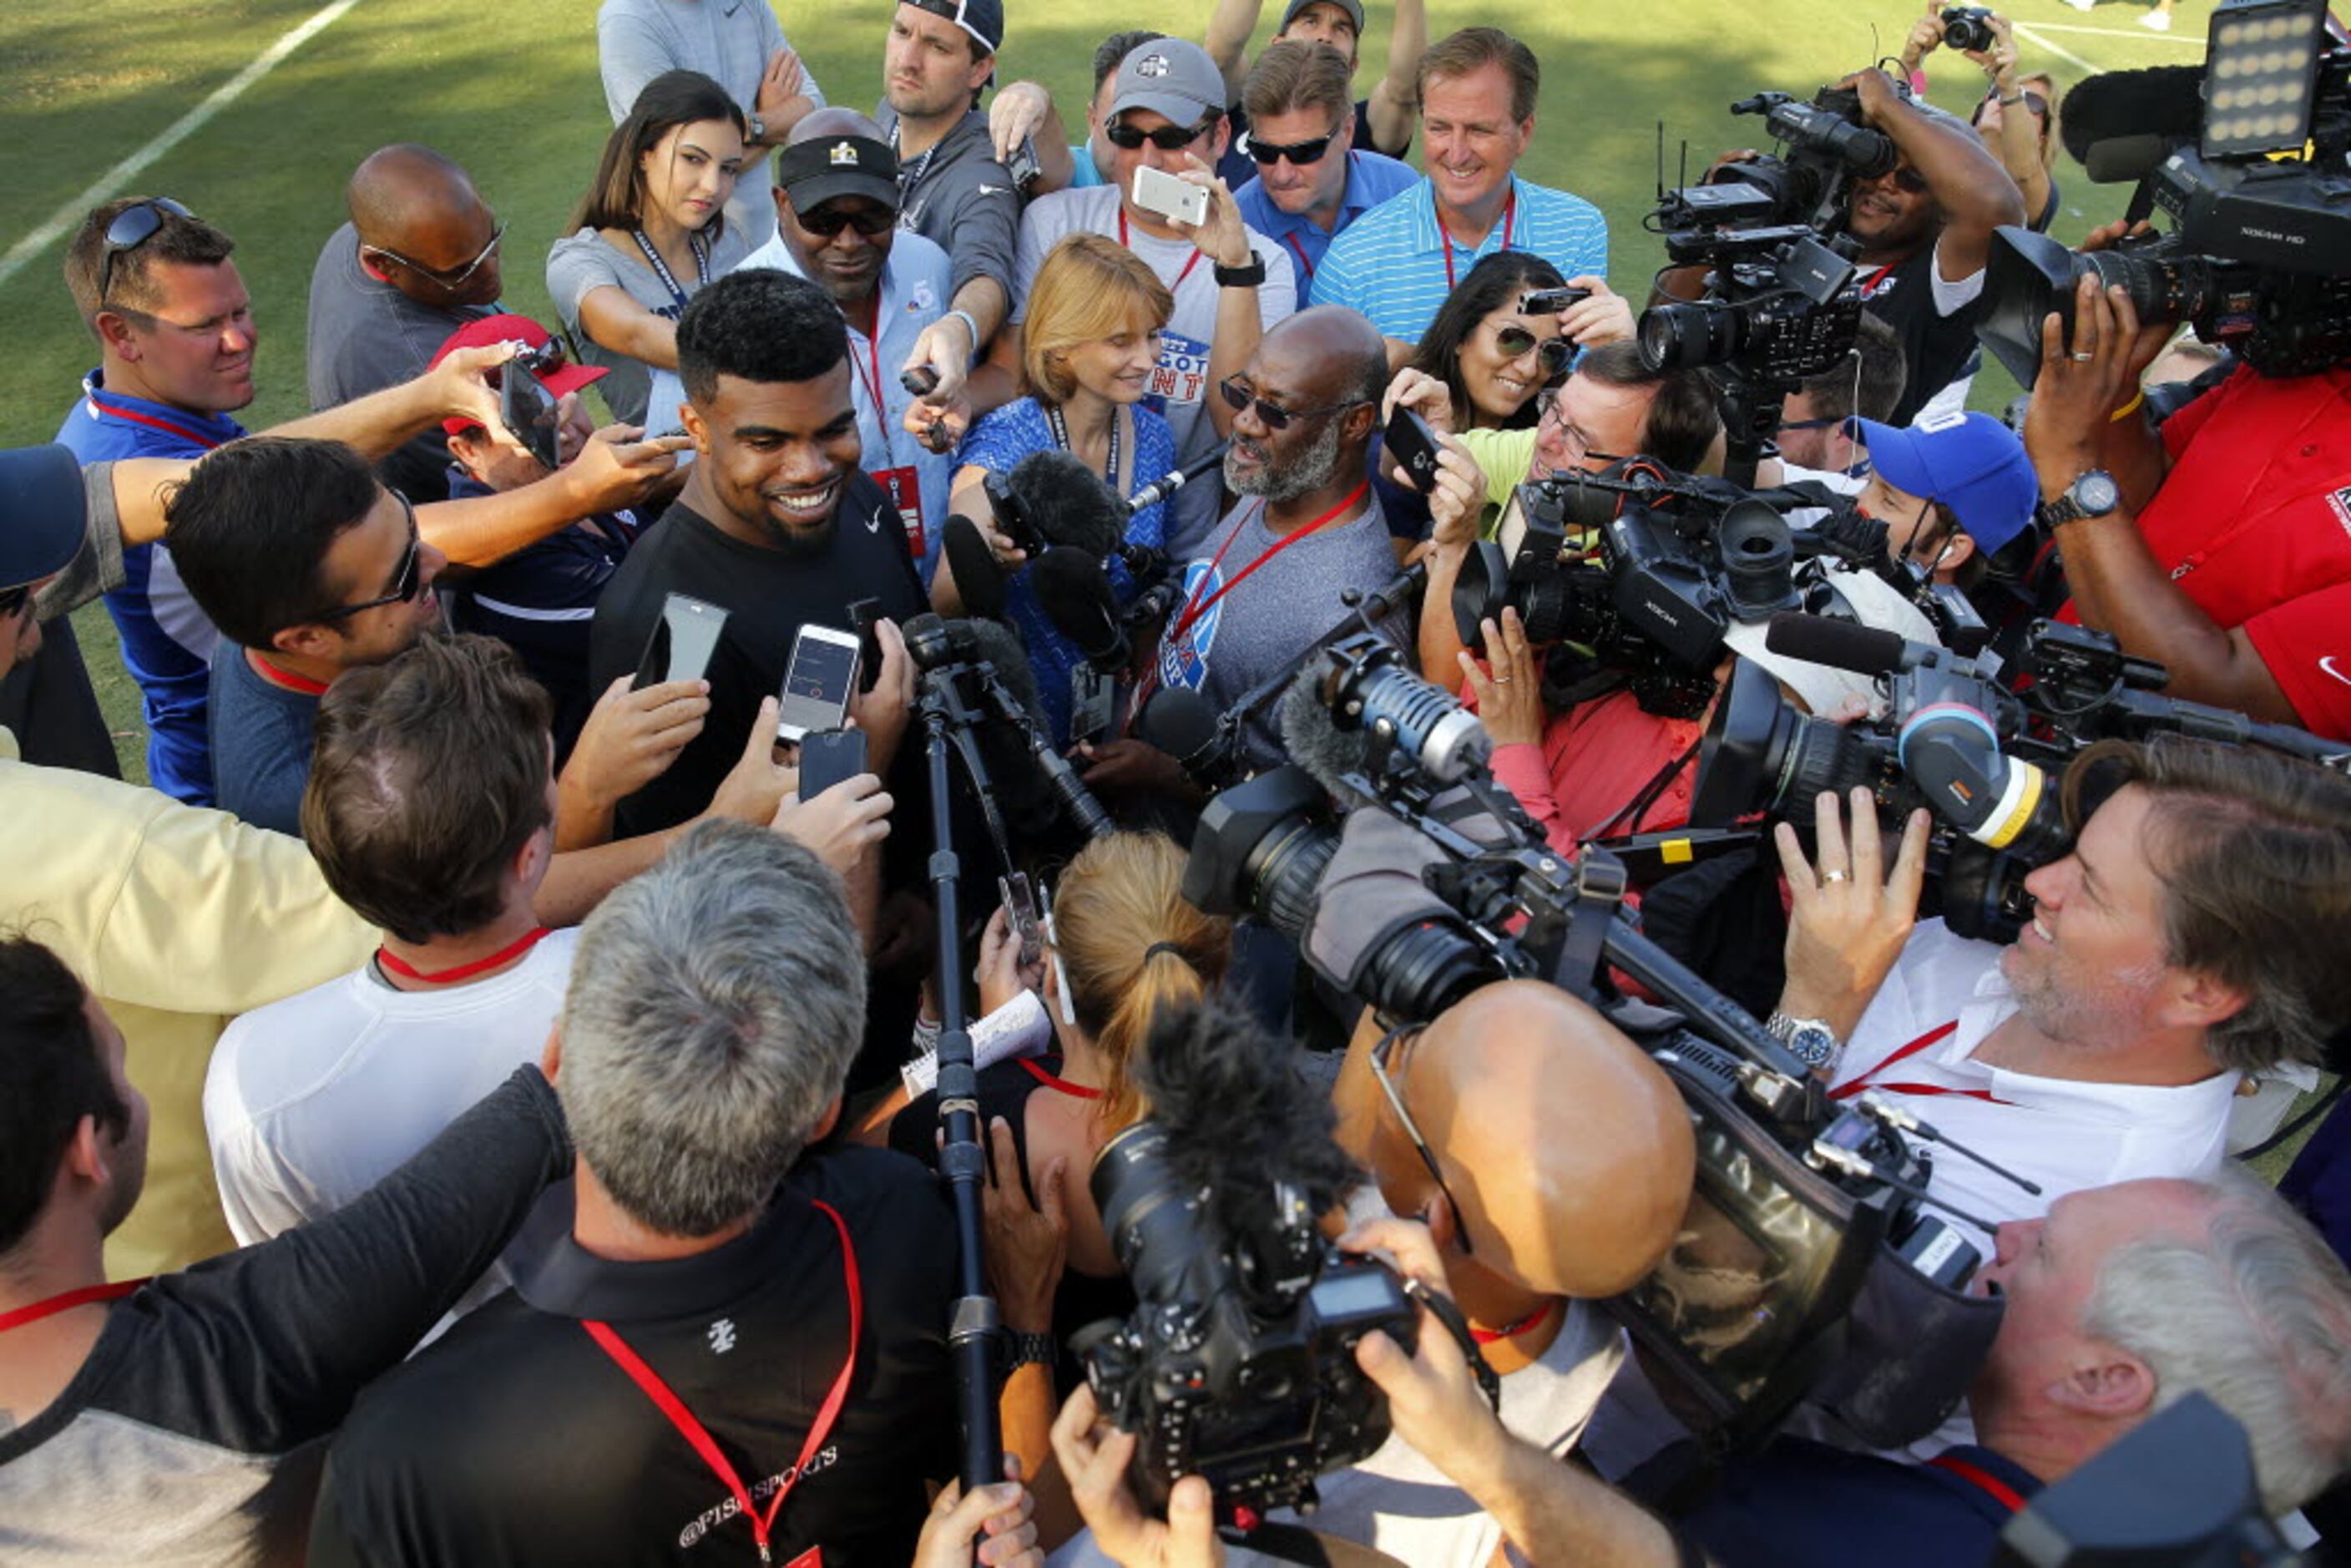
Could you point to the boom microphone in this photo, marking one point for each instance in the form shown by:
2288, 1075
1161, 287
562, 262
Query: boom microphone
1001, 648
1316, 743
978, 577
1839, 645
2119, 125
1159, 489
1066, 502
1075, 594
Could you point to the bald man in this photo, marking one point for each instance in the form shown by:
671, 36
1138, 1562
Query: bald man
418, 260
1563, 1166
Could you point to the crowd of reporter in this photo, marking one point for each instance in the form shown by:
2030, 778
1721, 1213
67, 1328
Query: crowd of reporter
486, 1101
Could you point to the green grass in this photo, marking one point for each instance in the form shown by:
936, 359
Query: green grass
509, 86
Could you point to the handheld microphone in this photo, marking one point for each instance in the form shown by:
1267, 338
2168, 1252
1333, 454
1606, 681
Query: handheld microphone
1187, 726
1075, 594
1066, 502
1316, 743
1843, 644
978, 577
1159, 489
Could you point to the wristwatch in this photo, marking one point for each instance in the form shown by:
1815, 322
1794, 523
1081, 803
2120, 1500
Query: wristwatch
2093, 495
1247, 276
1810, 1040
758, 128
1031, 1347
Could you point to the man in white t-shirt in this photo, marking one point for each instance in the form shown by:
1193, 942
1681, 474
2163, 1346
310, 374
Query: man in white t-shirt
1230, 282
431, 809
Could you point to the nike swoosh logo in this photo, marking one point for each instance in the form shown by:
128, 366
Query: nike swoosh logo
994, 190
2327, 665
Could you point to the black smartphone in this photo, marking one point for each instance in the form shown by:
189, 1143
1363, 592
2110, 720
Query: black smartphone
828, 756
1550, 301
1023, 166
921, 381
682, 643
528, 410
865, 615
1021, 909
1412, 446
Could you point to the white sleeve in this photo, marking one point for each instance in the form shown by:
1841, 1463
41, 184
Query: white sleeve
1277, 297
1950, 298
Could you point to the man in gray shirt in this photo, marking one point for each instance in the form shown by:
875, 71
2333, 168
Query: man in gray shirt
739, 44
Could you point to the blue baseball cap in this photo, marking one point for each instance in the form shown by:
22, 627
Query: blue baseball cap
1970, 462
43, 512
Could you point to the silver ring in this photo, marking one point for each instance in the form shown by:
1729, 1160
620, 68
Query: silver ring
1829, 876
1502, 680
2083, 357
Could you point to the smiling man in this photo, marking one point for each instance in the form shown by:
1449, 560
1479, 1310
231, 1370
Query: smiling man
1477, 117
1311, 180
779, 524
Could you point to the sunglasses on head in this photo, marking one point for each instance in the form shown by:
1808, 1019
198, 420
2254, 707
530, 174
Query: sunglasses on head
1271, 153
1239, 395
132, 228
827, 222
1167, 137
1552, 353
407, 581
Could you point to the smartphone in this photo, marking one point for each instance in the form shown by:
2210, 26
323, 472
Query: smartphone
819, 681
1021, 909
1093, 702
1550, 301
1412, 446
1169, 196
921, 381
1023, 166
828, 756
865, 615
682, 643
527, 409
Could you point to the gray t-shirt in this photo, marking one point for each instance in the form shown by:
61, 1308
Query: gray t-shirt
1179, 388
729, 41
958, 197
364, 336
587, 261
1246, 633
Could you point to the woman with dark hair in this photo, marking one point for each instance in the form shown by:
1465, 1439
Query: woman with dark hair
1492, 358
650, 233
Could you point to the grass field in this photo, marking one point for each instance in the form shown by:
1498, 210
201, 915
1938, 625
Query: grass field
509, 86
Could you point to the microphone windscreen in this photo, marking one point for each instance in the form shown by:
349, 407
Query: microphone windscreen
2124, 160
978, 577
1075, 594
1179, 722
1068, 502
1000, 646
1840, 644
2162, 102
1316, 743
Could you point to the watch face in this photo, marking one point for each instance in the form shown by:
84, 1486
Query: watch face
1812, 1045
2096, 493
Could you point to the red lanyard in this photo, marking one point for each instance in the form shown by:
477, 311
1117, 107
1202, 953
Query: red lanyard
65, 1301
1532, 1320
1510, 212
1197, 608
284, 678
1848, 1090
1059, 1085
1291, 241
1187, 265
873, 385
151, 421
1869, 285
2000, 1492
506, 954
693, 1430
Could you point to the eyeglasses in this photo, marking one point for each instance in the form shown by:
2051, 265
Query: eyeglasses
1549, 410
1552, 353
1301, 152
827, 222
407, 582
1167, 137
450, 279
1239, 395
132, 228
1379, 1059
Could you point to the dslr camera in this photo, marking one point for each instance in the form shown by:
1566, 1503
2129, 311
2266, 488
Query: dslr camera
1968, 27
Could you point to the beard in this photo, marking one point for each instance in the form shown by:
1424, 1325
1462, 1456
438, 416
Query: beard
2106, 1009
1285, 479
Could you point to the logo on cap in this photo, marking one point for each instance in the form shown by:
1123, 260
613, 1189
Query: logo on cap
843, 154
1150, 66
1949, 419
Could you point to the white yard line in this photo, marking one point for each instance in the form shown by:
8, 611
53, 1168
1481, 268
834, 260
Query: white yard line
111, 183
2031, 35
2136, 35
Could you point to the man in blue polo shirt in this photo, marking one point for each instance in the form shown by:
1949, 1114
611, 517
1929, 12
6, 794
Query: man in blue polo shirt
174, 328
1312, 182
837, 225
1399, 261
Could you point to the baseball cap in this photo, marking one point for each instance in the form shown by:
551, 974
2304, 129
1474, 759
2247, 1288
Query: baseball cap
565, 378
983, 19
821, 168
43, 512
1173, 77
1970, 462
1354, 9
1875, 603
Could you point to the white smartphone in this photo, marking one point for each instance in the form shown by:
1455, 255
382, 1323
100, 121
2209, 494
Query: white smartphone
819, 681
1169, 196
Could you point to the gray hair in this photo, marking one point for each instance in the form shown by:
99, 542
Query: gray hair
715, 1003
2257, 1316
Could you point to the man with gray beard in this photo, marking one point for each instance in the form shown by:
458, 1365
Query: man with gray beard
1305, 528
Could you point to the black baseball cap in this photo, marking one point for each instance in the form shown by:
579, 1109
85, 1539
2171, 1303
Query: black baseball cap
814, 172
43, 514
983, 19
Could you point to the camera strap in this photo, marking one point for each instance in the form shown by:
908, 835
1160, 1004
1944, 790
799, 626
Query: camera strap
667, 1402
1442, 1308
1991, 1484
66, 1301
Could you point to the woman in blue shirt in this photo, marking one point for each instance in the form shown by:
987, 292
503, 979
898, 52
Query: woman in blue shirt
1089, 349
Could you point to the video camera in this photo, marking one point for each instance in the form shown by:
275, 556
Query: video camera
2258, 188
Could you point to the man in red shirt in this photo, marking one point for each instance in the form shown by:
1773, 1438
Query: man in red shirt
2224, 547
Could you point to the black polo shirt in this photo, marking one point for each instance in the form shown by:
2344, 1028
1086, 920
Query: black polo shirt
517, 1439
1935, 347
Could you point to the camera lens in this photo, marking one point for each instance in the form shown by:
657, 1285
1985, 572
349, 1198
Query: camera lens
1286, 868
1155, 1226
1426, 968
1685, 336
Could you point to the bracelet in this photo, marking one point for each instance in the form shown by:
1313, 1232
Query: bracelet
2129, 408
969, 325
1918, 81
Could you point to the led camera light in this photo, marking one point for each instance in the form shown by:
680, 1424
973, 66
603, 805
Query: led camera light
2261, 68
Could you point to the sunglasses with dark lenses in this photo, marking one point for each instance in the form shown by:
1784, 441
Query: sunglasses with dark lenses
1239, 395
1910, 180
406, 582
132, 228
827, 222
1552, 353
1301, 153
1167, 137
449, 279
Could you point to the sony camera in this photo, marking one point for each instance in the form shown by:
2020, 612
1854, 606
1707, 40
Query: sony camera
1968, 27
1238, 1363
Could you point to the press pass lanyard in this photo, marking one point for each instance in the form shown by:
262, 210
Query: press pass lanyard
1125, 244
693, 1430
1868, 1080
1998, 1490
65, 1301
660, 269
105, 410
1510, 215
1062, 439
385, 960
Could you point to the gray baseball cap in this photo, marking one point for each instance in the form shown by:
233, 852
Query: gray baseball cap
1354, 9
1170, 77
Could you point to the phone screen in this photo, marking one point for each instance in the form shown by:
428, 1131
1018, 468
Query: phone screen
528, 413
821, 670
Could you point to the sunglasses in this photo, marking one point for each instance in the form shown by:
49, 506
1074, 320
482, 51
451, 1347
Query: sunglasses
1239, 395
12, 599
1167, 137
454, 279
407, 582
1379, 1059
1908, 180
132, 228
1552, 353
1300, 152
827, 222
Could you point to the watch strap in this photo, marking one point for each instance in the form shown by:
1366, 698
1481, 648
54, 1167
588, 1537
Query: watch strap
1038, 1348
1247, 276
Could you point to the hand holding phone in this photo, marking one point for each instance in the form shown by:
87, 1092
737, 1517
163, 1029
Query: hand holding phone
682, 643
817, 683
1411, 446
527, 410
829, 757
1180, 200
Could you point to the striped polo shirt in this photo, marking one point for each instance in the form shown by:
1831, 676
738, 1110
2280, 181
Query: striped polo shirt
1389, 264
